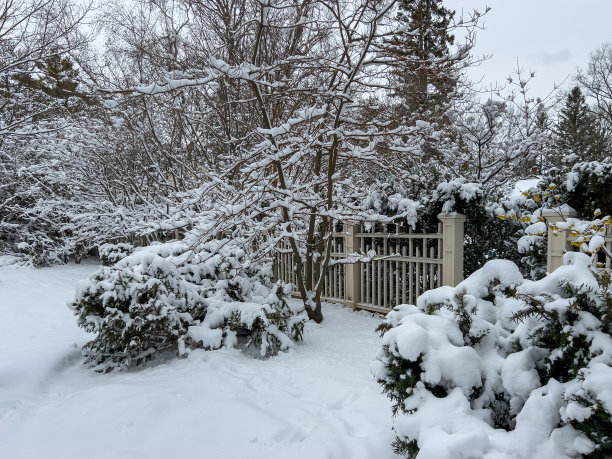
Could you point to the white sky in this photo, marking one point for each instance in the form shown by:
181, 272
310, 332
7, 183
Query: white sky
550, 37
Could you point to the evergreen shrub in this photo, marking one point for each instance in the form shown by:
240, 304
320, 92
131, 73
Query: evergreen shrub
503, 366
182, 296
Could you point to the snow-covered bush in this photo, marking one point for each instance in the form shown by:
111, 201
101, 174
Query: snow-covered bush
34, 254
587, 189
180, 296
500, 366
111, 254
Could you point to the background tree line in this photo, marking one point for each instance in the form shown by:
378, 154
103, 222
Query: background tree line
269, 121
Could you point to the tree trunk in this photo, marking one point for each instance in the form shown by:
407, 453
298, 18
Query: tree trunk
315, 314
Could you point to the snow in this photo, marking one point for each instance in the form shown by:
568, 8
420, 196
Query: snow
520, 377
317, 400
598, 381
523, 186
596, 243
536, 229
448, 191
575, 269
170, 84
445, 429
504, 272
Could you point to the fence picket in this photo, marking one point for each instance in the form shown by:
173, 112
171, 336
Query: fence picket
405, 274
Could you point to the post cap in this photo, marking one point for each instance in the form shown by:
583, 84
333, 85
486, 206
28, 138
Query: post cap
452, 216
561, 212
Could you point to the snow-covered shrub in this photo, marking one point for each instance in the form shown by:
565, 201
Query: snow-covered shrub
137, 308
246, 304
35, 254
500, 366
587, 189
179, 296
269, 327
111, 254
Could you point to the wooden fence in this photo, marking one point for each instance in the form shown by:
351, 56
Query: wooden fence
400, 266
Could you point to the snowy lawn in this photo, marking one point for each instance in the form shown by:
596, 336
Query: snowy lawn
316, 401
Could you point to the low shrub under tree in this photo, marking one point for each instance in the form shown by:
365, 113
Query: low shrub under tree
182, 296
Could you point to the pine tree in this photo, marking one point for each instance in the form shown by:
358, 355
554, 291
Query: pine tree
427, 78
578, 130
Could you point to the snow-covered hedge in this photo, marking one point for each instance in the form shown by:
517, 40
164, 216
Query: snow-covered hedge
111, 254
178, 296
500, 366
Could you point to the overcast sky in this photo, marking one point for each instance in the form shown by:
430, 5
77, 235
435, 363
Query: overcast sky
550, 37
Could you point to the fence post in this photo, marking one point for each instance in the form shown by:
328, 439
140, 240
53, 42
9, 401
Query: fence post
452, 237
352, 271
556, 245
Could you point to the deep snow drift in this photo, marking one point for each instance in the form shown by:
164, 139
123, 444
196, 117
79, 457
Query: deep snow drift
319, 400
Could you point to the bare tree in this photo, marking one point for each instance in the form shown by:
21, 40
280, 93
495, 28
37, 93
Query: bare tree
297, 74
597, 80
502, 137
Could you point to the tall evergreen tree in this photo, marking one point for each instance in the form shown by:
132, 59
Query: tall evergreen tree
579, 131
428, 76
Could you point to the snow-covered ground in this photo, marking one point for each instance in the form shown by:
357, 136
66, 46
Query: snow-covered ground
316, 401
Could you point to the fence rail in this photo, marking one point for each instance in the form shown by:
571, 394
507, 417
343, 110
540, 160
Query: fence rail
395, 267
399, 266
